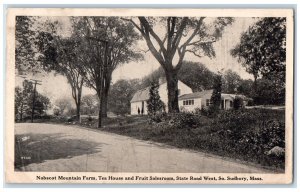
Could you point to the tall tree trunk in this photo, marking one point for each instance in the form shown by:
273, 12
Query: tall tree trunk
254, 93
172, 85
104, 105
78, 111
100, 95
105, 96
78, 102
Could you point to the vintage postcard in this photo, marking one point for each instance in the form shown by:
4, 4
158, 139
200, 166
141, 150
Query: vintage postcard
156, 96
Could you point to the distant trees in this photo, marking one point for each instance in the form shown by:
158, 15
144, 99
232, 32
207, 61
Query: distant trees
268, 92
90, 104
181, 35
154, 103
24, 99
195, 75
246, 87
262, 50
231, 81
120, 95
64, 105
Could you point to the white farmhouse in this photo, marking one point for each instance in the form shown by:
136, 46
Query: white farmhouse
139, 100
187, 100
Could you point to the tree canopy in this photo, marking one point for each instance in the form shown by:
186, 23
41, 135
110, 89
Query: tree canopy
194, 74
181, 35
24, 99
120, 95
262, 48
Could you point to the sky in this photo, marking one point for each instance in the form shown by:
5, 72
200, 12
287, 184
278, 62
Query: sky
56, 86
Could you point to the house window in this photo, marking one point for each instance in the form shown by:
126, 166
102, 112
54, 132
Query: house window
208, 102
188, 102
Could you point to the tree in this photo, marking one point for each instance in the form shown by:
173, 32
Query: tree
237, 103
262, 48
246, 88
106, 43
63, 104
60, 54
90, 103
195, 75
41, 104
24, 99
268, 92
120, 95
231, 81
183, 35
216, 94
154, 104
20, 104
24, 49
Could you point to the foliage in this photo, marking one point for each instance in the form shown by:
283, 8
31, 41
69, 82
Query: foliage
237, 103
58, 53
120, 95
262, 49
105, 44
269, 92
90, 104
154, 104
24, 99
231, 82
25, 49
64, 105
182, 35
57, 111
209, 111
195, 75
245, 87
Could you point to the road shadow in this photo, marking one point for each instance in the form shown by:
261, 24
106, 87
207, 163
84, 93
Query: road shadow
36, 148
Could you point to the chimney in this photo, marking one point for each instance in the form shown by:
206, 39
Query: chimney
162, 80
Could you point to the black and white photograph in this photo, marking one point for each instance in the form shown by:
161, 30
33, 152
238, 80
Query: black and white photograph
149, 96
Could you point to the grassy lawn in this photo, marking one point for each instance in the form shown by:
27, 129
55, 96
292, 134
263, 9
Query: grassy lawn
246, 135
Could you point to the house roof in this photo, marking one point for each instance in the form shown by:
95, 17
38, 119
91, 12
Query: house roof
227, 96
202, 93
141, 95
195, 95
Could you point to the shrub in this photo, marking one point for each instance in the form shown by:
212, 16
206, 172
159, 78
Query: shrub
210, 111
90, 118
158, 117
237, 103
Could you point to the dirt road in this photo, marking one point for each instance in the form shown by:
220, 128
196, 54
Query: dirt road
69, 148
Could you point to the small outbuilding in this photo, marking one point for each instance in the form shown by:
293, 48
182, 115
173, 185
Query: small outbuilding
200, 100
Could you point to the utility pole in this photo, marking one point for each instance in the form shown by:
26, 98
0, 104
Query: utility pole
35, 81
33, 98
